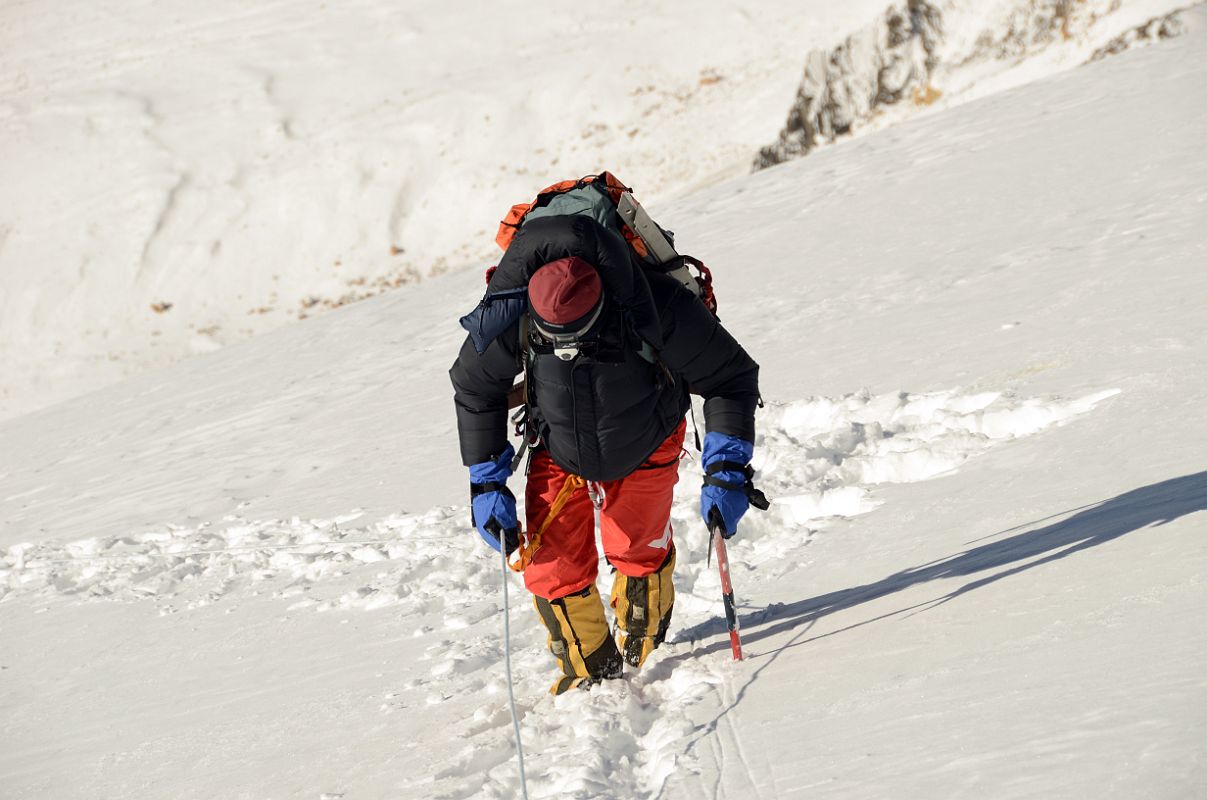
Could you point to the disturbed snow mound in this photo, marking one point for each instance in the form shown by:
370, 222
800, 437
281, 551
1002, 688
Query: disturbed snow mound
917, 52
841, 447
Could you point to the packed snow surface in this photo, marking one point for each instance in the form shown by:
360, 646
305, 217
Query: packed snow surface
251, 574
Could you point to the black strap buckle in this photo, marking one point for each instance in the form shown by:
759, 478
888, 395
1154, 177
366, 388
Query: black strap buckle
755, 496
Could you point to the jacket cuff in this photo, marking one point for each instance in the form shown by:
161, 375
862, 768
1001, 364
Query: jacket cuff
732, 417
483, 435
495, 470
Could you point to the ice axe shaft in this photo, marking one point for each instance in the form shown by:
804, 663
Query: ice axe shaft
731, 612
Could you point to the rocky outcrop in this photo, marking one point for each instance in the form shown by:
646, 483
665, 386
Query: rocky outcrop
916, 48
876, 66
1154, 30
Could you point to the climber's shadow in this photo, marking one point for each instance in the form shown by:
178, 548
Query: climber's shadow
1090, 526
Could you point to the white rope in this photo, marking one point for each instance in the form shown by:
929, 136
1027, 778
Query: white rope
515, 718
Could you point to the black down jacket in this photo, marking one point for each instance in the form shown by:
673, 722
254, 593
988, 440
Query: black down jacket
602, 414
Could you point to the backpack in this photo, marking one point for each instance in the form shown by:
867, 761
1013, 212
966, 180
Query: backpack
610, 203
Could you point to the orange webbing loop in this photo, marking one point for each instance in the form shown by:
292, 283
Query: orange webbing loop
510, 224
529, 544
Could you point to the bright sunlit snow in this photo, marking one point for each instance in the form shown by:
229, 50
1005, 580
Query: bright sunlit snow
251, 574
180, 177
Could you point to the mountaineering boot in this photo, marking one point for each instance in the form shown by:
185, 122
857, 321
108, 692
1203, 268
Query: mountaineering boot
579, 639
643, 610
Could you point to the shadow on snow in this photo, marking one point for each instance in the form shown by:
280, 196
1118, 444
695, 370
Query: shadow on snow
1088, 526
1156, 504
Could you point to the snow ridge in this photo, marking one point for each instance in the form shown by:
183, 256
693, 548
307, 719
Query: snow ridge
818, 458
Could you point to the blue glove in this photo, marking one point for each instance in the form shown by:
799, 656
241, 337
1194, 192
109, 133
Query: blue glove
728, 490
492, 504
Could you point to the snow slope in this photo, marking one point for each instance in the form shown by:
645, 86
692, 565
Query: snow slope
249, 574
179, 176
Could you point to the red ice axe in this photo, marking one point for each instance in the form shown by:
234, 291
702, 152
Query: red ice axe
716, 529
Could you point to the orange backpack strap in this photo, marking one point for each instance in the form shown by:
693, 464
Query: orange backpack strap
613, 186
510, 224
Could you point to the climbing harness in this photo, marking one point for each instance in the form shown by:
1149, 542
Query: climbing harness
530, 544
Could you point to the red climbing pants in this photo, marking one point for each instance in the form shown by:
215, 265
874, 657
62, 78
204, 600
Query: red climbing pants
635, 522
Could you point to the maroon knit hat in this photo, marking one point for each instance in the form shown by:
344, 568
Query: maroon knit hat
564, 295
